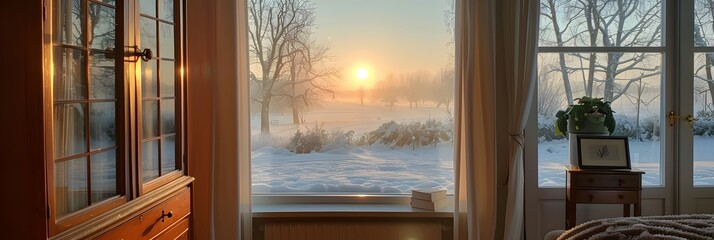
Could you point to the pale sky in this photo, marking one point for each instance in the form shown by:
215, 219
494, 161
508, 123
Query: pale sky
383, 36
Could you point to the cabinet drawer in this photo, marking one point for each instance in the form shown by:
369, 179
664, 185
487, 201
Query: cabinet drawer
599, 196
180, 231
150, 223
607, 180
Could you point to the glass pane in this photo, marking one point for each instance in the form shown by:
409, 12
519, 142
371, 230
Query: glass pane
102, 77
703, 127
148, 34
69, 129
110, 2
625, 23
150, 160
149, 80
70, 186
101, 26
168, 154
150, 119
102, 125
167, 9
69, 77
104, 175
148, 7
168, 116
166, 42
68, 22
631, 81
167, 78
703, 23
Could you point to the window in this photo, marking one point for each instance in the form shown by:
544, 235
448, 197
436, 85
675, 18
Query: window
352, 97
112, 126
607, 49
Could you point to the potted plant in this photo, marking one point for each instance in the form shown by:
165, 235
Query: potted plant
589, 115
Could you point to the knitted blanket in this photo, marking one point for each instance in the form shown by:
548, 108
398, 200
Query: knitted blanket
699, 226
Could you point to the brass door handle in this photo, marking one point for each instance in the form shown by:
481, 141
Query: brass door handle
672, 118
144, 55
163, 214
691, 119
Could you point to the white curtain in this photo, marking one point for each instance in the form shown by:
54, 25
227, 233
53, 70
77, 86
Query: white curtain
496, 52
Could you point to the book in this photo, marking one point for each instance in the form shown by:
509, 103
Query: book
429, 205
429, 194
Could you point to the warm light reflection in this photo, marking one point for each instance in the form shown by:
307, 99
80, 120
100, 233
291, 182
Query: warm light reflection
362, 74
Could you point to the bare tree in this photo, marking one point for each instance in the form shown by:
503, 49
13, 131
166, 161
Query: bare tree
550, 94
704, 17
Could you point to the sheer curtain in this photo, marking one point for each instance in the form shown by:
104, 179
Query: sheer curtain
496, 69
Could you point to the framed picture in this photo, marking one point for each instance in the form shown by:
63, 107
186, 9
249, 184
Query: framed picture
603, 152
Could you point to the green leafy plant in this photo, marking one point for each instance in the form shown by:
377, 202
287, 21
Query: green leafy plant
588, 110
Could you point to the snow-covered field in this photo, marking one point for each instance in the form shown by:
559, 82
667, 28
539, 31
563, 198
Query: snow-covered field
378, 169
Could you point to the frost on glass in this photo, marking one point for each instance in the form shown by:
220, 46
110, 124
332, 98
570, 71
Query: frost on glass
631, 81
345, 103
585, 23
703, 127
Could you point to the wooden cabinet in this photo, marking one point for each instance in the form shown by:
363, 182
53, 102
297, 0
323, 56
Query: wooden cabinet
602, 187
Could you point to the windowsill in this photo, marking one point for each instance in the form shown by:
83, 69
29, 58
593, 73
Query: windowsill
393, 209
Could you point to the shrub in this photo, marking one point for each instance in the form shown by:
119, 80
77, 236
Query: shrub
311, 140
413, 134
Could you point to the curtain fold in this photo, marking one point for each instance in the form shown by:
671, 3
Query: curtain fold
496, 49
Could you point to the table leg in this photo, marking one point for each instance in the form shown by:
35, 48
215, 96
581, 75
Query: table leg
626, 210
569, 214
638, 209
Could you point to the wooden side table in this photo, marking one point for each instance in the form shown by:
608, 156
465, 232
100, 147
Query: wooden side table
603, 187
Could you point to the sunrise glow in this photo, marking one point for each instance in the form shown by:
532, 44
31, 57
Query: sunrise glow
362, 74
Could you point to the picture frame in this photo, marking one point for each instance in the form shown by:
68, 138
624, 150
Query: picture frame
603, 152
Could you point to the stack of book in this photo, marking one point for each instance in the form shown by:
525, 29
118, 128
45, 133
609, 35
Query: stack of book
429, 199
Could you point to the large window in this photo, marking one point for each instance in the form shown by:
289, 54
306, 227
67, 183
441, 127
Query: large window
607, 49
351, 97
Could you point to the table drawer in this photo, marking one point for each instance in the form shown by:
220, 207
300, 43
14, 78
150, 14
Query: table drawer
150, 223
622, 197
607, 180
180, 231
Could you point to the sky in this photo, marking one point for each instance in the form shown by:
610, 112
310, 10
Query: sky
383, 36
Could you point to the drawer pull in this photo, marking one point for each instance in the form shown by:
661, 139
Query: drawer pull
169, 215
620, 182
620, 196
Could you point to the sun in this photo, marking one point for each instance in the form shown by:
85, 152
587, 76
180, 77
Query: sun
362, 73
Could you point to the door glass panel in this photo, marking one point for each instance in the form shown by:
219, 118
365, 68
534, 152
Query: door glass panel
150, 116
69, 80
166, 42
68, 22
103, 175
634, 91
167, 77
101, 26
102, 128
168, 115
703, 127
167, 10
148, 79
147, 7
69, 129
70, 186
703, 23
150, 160
168, 154
148, 34
102, 76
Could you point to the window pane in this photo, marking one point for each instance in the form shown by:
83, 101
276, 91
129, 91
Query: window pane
102, 76
149, 80
371, 114
150, 160
166, 42
167, 78
68, 22
168, 116
703, 127
167, 9
69, 77
147, 7
102, 125
150, 119
104, 175
148, 34
631, 81
69, 129
70, 186
168, 154
626, 23
101, 26
703, 23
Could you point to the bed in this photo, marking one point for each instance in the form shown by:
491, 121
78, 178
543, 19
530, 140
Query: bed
694, 227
